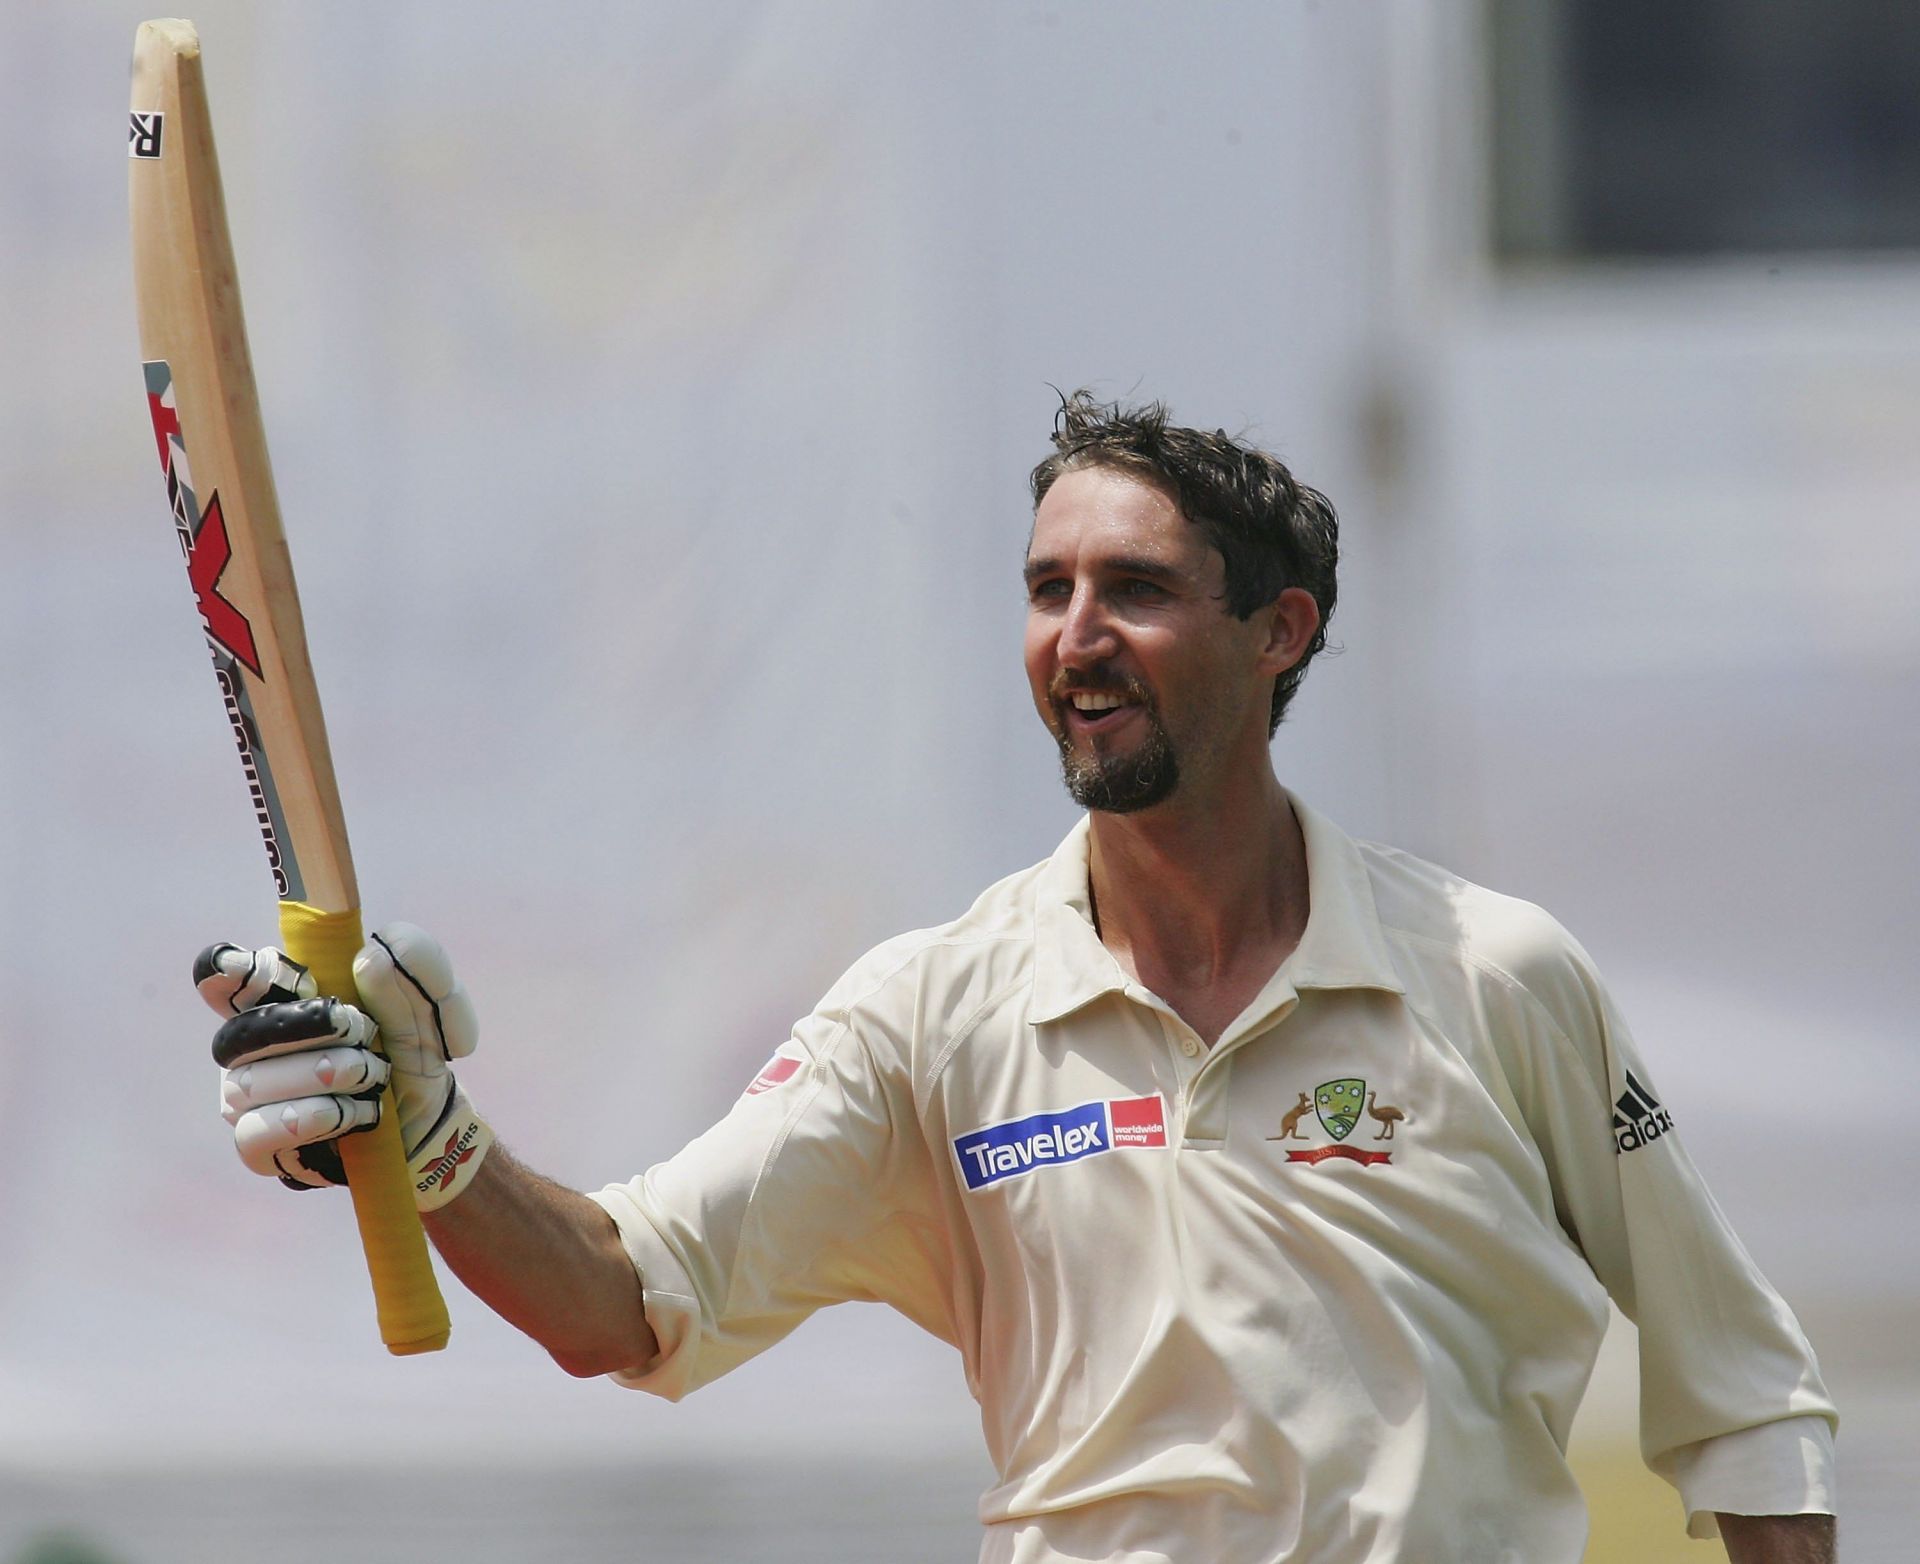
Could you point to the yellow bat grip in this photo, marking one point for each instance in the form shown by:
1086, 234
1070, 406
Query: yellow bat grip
413, 1315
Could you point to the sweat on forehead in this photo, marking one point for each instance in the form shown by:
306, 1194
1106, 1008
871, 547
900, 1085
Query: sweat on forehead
1106, 520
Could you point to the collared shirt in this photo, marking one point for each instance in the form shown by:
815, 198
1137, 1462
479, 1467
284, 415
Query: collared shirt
1329, 1290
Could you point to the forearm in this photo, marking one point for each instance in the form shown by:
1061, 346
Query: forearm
1778, 1539
547, 1260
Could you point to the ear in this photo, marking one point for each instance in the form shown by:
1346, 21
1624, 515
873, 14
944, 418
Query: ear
1290, 621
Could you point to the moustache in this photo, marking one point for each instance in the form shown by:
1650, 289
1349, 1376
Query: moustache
1098, 681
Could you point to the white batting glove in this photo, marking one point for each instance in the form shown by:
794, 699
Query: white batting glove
299, 1072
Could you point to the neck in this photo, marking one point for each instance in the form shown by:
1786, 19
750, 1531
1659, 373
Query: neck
1195, 891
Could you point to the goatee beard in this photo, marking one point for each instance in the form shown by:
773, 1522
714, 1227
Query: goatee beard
1121, 784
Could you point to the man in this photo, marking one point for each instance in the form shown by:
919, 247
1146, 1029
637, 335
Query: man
1068, 1132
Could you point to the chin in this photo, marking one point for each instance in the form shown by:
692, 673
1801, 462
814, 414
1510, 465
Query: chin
1122, 784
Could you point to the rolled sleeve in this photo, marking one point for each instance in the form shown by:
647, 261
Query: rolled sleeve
1783, 1468
672, 1308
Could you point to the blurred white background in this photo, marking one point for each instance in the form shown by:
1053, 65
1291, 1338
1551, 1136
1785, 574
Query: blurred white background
651, 392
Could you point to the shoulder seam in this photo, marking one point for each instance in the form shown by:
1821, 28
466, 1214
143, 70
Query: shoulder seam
1511, 983
923, 1090
932, 942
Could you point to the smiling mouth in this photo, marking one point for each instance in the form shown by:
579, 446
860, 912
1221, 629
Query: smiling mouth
1093, 711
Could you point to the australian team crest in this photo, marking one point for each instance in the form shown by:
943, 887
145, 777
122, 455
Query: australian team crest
1339, 1105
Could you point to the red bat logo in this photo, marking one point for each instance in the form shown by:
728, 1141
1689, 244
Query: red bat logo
208, 557
205, 565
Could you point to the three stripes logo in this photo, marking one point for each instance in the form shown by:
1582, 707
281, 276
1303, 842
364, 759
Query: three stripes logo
1638, 1118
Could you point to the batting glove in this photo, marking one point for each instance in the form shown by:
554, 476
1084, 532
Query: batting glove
299, 1072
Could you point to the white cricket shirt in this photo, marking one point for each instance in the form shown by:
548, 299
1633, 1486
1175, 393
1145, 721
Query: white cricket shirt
1328, 1291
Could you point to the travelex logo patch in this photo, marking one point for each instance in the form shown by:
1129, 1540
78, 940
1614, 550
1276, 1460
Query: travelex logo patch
1002, 1151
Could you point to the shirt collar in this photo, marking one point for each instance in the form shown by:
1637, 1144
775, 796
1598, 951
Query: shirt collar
1343, 946
1070, 965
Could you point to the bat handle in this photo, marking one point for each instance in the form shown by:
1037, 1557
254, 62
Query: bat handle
413, 1315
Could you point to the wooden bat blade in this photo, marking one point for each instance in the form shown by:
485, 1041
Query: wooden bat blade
213, 452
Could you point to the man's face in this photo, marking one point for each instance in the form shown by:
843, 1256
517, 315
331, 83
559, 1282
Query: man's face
1137, 669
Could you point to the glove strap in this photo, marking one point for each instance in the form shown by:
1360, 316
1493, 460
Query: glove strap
450, 1156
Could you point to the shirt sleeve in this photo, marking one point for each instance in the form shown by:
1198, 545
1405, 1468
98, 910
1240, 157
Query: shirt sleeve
1749, 1472
805, 1194
1732, 1408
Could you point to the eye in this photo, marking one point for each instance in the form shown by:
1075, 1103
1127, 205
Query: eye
1054, 586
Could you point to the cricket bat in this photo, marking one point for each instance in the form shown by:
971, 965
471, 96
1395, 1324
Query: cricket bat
201, 396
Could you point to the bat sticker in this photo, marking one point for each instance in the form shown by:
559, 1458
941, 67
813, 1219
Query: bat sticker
207, 561
204, 541
143, 134
202, 534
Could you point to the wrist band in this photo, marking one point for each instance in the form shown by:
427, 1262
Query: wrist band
450, 1156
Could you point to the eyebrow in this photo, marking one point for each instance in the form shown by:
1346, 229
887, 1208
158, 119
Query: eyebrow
1119, 565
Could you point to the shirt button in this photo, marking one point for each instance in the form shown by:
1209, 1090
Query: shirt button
1189, 1047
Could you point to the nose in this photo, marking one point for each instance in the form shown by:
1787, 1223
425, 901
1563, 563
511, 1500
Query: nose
1086, 633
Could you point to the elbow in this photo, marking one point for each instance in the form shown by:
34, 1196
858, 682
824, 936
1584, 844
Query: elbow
606, 1330
611, 1355
587, 1362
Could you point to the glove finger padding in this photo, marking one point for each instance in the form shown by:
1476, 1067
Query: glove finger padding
340, 1072
232, 978
280, 1138
299, 1025
298, 1071
406, 980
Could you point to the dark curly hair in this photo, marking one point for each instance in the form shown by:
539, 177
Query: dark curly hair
1273, 531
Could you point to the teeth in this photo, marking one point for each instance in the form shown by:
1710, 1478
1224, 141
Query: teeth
1096, 702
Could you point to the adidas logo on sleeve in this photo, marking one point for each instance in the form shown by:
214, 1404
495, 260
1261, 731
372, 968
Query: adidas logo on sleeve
1638, 1118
